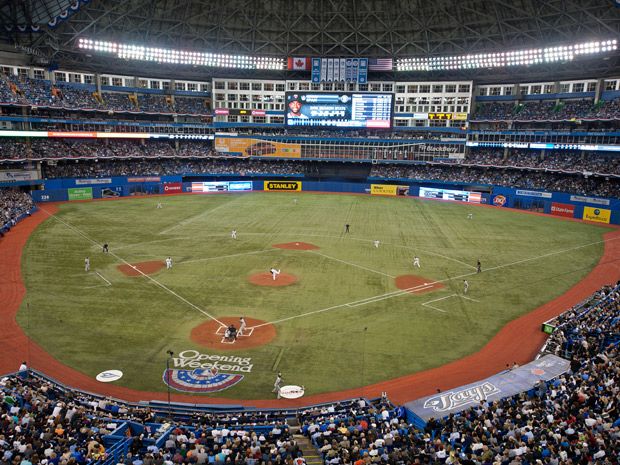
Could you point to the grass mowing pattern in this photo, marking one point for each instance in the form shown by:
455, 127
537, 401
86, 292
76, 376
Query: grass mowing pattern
130, 324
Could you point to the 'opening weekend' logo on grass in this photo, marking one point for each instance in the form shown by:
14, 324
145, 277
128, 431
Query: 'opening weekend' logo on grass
196, 372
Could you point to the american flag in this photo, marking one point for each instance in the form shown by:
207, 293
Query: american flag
380, 64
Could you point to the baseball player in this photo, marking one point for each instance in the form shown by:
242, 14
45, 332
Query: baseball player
274, 273
478, 267
376, 243
470, 216
242, 326
416, 261
159, 205
87, 264
169, 263
233, 234
105, 248
346, 228
465, 286
277, 384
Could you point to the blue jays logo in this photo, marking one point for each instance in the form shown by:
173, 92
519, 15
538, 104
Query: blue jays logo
200, 380
597, 211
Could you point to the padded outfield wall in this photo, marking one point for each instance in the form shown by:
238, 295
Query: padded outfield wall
597, 209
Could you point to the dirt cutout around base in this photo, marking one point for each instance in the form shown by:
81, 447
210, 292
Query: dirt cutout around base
138, 269
265, 279
296, 246
416, 284
210, 334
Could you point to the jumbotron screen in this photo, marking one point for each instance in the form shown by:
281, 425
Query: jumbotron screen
339, 109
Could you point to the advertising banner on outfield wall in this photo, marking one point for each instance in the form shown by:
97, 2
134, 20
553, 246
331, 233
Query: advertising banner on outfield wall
18, 175
563, 209
388, 189
283, 186
173, 187
80, 193
598, 215
256, 147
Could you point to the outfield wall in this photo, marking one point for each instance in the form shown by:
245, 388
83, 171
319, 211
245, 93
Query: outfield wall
596, 209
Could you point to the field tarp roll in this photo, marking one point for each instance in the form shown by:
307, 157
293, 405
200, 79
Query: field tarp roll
499, 386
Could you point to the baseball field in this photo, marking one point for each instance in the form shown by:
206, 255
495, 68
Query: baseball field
343, 313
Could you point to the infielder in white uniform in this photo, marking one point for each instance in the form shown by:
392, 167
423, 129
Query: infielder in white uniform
159, 205
274, 273
87, 264
376, 243
233, 234
168, 263
416, 261
242, 326
465, 286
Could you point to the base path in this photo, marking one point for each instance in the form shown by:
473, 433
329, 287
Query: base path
416, 284
210, 334
296, 246
265, 279
518, 341
142, 268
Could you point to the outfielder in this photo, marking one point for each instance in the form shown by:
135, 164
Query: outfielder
376, 243
416, 261
169, 263
87, 264
274, 273
233, 234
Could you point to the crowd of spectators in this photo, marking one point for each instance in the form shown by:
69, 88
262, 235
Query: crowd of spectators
548, 110
13, 204
571, 161
572, 419
231, 166
39, 92
517, 178
44, 424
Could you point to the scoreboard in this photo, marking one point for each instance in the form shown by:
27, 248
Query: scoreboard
340, 110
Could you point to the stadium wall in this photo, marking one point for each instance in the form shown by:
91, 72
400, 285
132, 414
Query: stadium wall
600, 210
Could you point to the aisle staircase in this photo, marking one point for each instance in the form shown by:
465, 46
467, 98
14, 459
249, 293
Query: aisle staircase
311, 454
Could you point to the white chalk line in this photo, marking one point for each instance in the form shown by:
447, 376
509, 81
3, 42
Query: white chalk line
428, 304
226, 256
350, 263
195, 217
126, 246
402, 292
167, 289
102, 277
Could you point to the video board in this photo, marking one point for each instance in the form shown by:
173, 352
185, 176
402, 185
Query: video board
221, 186
339, 109
450, 194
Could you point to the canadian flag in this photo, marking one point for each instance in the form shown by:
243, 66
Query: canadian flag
297, 63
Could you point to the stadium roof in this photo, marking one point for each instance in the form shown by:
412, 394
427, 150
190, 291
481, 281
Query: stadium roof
338, 28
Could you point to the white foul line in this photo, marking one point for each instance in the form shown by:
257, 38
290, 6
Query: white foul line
101, 276
193, 218
181, 298
352, 264
225, 256
428, 304
399, 293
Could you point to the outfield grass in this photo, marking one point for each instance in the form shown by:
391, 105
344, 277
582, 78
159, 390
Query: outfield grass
130, 324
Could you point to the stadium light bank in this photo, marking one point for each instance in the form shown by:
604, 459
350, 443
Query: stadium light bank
509, 58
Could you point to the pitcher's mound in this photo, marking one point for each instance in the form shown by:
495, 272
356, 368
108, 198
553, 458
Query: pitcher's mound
265, 279
211, 334
296, 246
417, 284
134, 269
